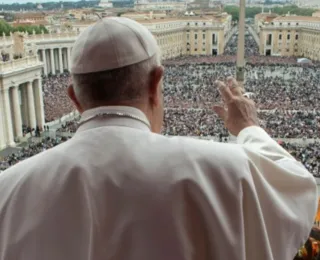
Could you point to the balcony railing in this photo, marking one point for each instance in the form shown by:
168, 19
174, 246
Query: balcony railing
32, 38
18, 64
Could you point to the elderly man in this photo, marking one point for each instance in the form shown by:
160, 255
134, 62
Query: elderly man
119, 190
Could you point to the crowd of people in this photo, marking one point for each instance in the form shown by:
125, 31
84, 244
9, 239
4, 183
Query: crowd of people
30, 150
287, 98
309, 155
311, 249
69, 126
279, 124
274, 86
251, 47
284, 87
55, 98
291, 124
286, 94
192, 122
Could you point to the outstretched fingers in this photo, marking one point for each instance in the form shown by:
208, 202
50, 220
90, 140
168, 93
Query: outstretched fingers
221, 112
233, 84
225, 91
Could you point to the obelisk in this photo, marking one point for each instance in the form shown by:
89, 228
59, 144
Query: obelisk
240, 51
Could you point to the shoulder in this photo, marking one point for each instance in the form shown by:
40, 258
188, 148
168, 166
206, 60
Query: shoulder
199, 167
203, 149
207, 157
38, 165
53, 176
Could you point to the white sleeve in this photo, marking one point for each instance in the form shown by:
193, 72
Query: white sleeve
286, 191
255, 137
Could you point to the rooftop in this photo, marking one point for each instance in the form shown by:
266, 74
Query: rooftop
29, 22
266, 15
29, 14
182, 18
162, 3
295, 18
84, 22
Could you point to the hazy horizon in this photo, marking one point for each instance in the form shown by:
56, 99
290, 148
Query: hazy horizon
34, 1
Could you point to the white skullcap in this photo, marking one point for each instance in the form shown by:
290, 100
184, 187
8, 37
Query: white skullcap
112, 43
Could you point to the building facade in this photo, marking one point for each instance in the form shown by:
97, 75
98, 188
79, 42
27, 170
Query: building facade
297, 36
21, 99
308, 3
316, 14
160, 6
262, 19
186, 35
36, 17
105, 4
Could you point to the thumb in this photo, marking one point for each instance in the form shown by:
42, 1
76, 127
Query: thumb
221, 111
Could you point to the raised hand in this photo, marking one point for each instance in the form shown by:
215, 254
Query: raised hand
238, 111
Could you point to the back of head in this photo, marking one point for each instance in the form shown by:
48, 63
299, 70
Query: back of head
115, 61
112, 61
112, 43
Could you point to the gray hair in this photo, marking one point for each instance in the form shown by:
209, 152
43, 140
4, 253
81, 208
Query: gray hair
124, 84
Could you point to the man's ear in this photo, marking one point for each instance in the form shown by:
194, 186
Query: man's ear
155, 85
74, 99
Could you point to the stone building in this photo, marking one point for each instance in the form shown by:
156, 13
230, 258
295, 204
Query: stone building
291, 35
21, 101
187, 35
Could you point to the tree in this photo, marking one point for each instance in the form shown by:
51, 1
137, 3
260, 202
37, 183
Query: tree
48, 5
7, 28
252, 11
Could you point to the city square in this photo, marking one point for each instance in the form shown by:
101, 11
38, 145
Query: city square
280, 64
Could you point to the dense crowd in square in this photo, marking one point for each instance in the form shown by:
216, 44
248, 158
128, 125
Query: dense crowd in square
286, 94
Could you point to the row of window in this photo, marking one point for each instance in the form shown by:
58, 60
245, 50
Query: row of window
272, 23
311, 38
289, 36
196, 31
288, 43
171, 38
188, 43
203, 37
314, 25
196, 24
288, 50
196, 36
188, 49
168, 25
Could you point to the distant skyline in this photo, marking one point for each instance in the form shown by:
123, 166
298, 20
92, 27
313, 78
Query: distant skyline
32, 1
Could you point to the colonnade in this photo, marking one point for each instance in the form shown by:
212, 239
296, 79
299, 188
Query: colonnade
20, 105
55, 60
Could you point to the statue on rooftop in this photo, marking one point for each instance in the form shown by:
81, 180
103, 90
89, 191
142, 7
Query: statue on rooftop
5, 56
18, 45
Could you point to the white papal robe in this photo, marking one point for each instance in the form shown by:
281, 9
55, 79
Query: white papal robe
116, 191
